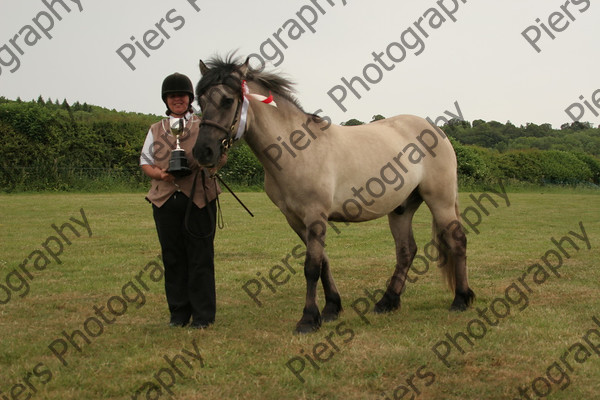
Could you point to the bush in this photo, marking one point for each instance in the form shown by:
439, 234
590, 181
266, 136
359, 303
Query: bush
47, 146
472, 166
593, 164
242, 168
545, 167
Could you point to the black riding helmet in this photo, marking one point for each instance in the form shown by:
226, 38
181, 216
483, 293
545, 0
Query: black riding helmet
177, 83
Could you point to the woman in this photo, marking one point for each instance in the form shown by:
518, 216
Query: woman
185, 227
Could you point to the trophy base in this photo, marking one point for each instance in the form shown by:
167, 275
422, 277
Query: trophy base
179, 172
178, 164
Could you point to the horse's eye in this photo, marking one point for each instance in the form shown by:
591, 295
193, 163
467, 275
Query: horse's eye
226, 102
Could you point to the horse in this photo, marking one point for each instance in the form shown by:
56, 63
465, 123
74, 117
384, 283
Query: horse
318, 173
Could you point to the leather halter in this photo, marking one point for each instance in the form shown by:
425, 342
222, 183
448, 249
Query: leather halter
229, 139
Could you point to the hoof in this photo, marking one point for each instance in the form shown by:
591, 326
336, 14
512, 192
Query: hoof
303, 328
329, 317
388, 303
309, 323
462, 301
457, 306
331, 312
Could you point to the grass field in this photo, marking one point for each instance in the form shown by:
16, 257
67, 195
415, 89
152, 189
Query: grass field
94, 326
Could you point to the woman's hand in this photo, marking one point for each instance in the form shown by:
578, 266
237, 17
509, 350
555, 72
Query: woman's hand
155, 172
165, 176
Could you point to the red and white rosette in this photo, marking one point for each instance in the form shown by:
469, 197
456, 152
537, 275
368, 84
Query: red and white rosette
245, 104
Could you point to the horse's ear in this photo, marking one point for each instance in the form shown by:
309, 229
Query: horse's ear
244, 67
203, 68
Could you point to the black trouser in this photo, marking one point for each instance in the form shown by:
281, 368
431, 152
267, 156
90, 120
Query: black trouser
188, 258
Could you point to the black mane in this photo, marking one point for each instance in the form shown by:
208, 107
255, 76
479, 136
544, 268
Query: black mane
221, 71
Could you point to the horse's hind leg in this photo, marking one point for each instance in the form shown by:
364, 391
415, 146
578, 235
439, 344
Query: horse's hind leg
451, 242
400, 221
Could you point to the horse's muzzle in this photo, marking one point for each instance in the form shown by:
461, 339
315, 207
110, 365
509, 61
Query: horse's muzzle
205, 156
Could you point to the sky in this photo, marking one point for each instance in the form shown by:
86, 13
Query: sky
415, 57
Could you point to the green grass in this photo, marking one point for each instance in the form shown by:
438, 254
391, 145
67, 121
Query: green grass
244, 354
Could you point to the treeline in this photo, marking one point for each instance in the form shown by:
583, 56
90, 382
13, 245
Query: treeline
536, 154
53, 145
532, 153
45, 145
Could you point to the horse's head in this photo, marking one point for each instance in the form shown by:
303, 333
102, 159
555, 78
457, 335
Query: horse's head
219, 95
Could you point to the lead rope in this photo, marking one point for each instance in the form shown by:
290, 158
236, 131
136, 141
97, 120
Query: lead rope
220, 222
231, 191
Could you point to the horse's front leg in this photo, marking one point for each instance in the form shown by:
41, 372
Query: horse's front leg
333, 302
315, 246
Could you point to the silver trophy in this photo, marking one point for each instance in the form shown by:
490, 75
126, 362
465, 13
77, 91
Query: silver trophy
178, 164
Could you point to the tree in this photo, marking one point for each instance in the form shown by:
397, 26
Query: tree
377, 117
352, 122
478, 122
579, 126
458, 122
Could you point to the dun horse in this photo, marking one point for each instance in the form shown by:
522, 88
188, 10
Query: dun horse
317, 172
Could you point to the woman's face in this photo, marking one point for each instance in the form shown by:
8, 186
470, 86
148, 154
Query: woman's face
178, 103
